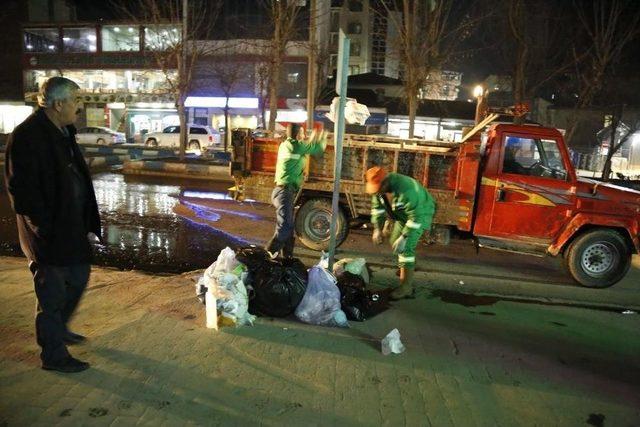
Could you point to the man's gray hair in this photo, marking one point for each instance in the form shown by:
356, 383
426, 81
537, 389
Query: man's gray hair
55, 89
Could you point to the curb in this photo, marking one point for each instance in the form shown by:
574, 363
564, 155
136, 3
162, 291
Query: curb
158, 167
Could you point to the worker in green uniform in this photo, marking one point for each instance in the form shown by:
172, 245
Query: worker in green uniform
290, 165
409, 204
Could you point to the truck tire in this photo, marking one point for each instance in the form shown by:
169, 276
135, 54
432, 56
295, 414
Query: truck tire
313, 221
599, 258
194, 144
151, 142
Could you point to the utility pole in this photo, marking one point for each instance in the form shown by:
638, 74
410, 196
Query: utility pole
182, 78
311, 68
338, 135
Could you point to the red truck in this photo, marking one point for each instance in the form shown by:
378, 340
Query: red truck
510, 188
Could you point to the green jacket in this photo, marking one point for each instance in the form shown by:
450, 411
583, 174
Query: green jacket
411, 204
291, 160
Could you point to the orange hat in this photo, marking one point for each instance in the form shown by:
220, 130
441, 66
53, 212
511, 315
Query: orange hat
374, 177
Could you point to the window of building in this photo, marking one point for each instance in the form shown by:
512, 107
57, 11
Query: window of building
41, 40
161, 37
355, 49
335, 21
355, 5
104, 81
79, 39
333, 62
293, 77
354, 69
354, 28
333, 42
119, 38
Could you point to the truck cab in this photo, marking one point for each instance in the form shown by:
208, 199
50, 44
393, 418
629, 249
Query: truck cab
529, 199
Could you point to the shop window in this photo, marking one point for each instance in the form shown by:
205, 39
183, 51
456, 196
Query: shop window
120, 38
162, 37
293, 77
354, 28
79, 39
355, 49
41, 40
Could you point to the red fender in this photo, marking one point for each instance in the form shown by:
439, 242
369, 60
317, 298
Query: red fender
580, 220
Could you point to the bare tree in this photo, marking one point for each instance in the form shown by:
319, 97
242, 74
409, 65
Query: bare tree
429, 33
228, 76
534, 42
609, 27
283, 15
173, 47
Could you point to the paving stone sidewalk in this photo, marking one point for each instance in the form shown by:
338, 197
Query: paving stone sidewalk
472, 363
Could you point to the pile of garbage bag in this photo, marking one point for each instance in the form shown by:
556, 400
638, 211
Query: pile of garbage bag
247, 283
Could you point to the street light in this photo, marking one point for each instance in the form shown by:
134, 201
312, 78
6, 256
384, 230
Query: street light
480, 93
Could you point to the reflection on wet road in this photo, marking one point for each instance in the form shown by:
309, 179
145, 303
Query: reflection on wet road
140, 228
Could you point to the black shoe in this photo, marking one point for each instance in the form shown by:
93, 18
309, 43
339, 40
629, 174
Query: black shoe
71, 338
68, 365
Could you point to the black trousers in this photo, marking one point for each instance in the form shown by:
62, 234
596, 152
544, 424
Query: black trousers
283, 198
58, 291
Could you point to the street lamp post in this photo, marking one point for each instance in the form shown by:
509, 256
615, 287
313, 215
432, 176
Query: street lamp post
480, 93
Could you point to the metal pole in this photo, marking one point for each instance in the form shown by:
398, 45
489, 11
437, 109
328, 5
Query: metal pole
182, 76
338, 136
311, 69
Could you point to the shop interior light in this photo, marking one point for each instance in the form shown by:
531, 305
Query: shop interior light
29, 46
116, 105
116, 29
130, 29
220, 101
91, 37
243, 102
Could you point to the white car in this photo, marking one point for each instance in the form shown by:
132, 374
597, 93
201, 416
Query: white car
199, 138
99, 135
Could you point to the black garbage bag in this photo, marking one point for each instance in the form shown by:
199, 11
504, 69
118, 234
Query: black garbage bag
357, 302
277, 285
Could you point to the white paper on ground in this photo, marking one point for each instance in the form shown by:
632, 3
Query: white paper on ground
391, 343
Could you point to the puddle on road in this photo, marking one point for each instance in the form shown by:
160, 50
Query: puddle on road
471, 300
140, 229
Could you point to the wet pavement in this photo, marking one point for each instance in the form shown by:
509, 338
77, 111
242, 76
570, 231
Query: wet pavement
140, 227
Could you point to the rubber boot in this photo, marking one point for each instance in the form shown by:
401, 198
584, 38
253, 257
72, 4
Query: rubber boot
405, 290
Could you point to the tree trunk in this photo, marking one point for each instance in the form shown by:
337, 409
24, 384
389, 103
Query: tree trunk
183, 128
413, 108
227, 131
273, 94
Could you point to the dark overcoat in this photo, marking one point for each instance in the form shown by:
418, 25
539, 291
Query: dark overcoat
40, 168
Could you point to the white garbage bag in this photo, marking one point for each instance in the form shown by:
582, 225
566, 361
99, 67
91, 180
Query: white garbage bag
392, 344
224, 280
321, 302
354, 113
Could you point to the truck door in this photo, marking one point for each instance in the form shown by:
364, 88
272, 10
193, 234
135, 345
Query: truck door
527, 197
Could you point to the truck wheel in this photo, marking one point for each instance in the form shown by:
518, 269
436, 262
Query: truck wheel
313, 221
598, 258
151, 142
194, 144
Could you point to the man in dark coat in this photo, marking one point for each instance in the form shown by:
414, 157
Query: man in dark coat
50, 190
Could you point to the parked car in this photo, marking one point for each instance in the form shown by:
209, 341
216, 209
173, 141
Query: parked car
99, 135
199, 138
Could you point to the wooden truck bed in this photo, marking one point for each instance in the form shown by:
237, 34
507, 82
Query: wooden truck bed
431, 163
